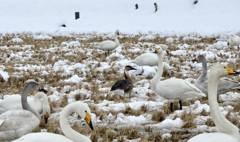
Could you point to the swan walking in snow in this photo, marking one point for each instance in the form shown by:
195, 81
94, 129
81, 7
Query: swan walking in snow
124, 86
228, 131
81, 109
16, 123
148, 59
109, 45
39, 103
233, 40
225, 84
173, 88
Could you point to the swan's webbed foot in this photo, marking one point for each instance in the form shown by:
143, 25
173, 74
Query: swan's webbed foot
171, 106
180, 102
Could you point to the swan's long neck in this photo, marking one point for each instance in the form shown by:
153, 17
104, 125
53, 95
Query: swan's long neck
220, 121
116, 39
25, 104
158, 75
203, 75
66, 128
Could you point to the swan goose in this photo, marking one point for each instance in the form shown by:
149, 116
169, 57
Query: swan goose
173, 88
81, 109
148, 59
124, 86
228, 131
109, 45
233, 40
15, 123
39, 103
225, 84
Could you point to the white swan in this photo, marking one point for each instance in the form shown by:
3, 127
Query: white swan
148, 59
109, 45
233, 40
228, 131
173, 88
81, 109
124, 86
15, 123
39, 103
225, 84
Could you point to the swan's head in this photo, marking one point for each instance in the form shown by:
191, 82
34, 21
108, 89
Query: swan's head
85, 112
128, 68
220, 70
33, 86
117, 32
161, 48
200, 58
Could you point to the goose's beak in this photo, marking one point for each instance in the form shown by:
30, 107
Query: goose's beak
43, 90
230, 71
194, 60
88, 120
133, 68
46, 118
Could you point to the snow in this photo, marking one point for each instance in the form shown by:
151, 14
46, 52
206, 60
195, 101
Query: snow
182, 25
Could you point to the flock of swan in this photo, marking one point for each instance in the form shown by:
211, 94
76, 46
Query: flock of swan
19, 115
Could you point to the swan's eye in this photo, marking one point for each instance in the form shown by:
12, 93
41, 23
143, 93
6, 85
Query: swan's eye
85, 111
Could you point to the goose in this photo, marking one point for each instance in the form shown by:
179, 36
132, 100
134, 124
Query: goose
124, 86
109, 45
81, 109
39, 103
148, 59
233, 40
15, 123
225, 84
228, 131
173, 88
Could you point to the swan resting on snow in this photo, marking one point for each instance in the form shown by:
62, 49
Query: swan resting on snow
16, 123
225, 84
124, 86
227, 131
148, 59
233, 40
39, 103
109, 45
81, 109
173, 88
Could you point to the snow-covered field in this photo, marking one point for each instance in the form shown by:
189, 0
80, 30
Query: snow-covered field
34, 46
70, 68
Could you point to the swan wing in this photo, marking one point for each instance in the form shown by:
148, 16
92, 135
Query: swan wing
226, 84
146, 59
106, 45
213, 137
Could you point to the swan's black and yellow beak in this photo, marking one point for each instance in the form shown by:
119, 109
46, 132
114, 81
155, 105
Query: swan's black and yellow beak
156, 51
88, 120
46, 118
195, 60
43, 90
230, 71
228, 43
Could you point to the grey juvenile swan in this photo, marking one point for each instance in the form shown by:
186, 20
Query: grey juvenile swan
225, 84
227, 131
16, 123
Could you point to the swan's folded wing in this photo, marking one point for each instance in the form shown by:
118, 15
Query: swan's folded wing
1, 122
194, 88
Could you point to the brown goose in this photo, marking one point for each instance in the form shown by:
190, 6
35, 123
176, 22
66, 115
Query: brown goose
124, 86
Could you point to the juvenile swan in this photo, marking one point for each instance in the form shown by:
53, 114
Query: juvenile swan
81, 109
109, 45
39, 103
225, 84
173, 88
16, 123
228, 131
124, 86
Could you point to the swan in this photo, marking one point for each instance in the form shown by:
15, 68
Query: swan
39, 103
124, 86
81, 109
233, 40
228, 131
173, 88
225, 84
109, 45
15, 123
148, 59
